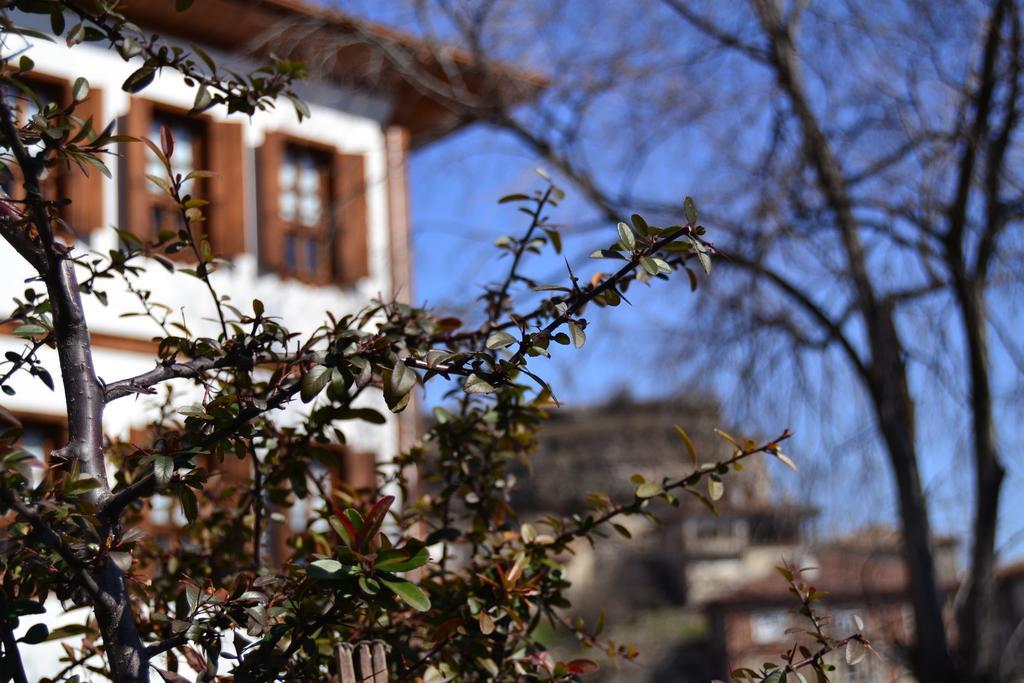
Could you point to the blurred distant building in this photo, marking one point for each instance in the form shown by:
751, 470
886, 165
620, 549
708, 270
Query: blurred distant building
654, 585
1010, 621
863, 574
699, 593
693, 556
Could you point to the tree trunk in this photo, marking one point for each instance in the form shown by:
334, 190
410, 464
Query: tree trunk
894, 408
975, 619
85, 401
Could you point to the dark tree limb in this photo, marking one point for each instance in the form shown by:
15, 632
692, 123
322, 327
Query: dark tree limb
84, 400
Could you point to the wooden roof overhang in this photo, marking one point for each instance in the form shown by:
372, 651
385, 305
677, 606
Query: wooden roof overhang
342, 49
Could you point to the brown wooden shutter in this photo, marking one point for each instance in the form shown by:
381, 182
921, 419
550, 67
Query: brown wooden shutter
85, 212
134, 203
271, 228
360, 470
351, 238
226, 219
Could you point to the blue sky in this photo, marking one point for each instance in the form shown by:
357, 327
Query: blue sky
455, 184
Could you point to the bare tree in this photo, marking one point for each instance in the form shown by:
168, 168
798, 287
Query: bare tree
865, 162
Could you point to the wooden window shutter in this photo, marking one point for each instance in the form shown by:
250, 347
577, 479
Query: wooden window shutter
226, 217
85, 212
351, 238
134, 204
360, 470
356, 470
271, 228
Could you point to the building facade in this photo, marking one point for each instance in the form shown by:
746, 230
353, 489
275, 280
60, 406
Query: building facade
311, 217
699, 593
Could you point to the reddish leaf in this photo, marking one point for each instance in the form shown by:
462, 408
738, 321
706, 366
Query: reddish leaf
194, 659
347, 531
374, 520
166, 141
581, 666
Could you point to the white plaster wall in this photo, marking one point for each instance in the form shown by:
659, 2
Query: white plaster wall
301, 306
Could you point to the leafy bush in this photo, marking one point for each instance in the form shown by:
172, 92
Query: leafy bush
362, 569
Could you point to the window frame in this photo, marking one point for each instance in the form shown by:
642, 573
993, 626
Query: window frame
157, 198
347, 240
84, 213
329, 227
54, 430
220, 149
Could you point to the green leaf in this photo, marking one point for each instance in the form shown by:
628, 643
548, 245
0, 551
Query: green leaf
37, 633
716, 489
626, 236
85, 482
649, 265
69, 631
402, 560
608, 253
195, 411
122, 561
398, 384
855, 652
29, 330
314, 381
579, 337
690, 210
476, 385
365, 414
649, 490
705, 261
623, 531
640, 224
785, 460
57, 21
163, 469
408, 592
343, 527
189, 505
182, 5
500, 340
20, 608
688, 443
139, 79
80, 90
326, 570
203, 99
513, 198
556, 239
486, 623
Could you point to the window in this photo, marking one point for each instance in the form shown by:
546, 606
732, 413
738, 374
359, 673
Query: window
63, 180
187, 157
47, 93
768, 626
40, 436
200, 143
305, 208
845, 621
312, 222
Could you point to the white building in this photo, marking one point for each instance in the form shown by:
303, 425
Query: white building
313, 216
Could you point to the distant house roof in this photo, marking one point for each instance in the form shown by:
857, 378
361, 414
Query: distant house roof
361, 54
1010, 572
864, 566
